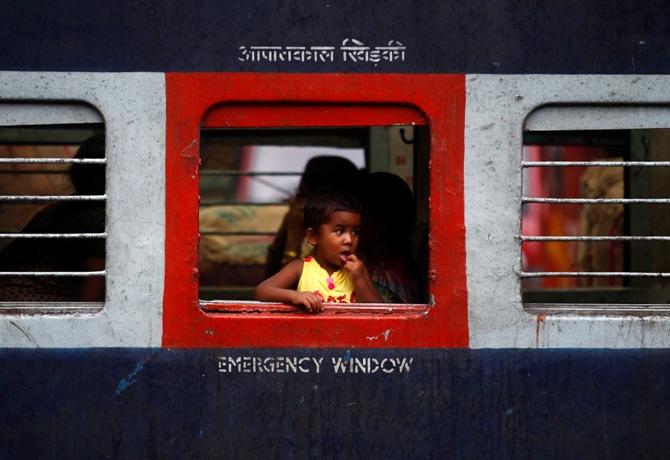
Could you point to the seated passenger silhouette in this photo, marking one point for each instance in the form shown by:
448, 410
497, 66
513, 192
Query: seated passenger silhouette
67, 254
320, 171
388, 220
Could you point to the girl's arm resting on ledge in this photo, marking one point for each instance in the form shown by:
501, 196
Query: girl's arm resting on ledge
281, 288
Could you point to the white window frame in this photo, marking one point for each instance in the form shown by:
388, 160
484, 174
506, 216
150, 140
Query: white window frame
498, 107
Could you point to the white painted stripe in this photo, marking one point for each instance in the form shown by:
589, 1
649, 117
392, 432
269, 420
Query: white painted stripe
133, 108
46, 113
496, 108
578, 118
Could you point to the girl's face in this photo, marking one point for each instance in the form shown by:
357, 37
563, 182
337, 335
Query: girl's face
335, 239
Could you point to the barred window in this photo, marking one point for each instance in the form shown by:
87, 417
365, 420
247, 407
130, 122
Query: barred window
52, 208
595, 230
252, 182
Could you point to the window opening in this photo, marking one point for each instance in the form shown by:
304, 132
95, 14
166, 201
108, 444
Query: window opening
250, 182
52, 216
596, 218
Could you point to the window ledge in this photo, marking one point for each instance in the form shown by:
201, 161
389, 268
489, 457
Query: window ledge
50, 308
330, 309
592, 309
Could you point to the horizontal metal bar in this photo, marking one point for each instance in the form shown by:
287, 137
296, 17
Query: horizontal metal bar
236, 203
63, 274
595, 274
540, 164
53, 235
53, 160
53, 308
223, 172
214, 233
592, 238
53, 197
596, 200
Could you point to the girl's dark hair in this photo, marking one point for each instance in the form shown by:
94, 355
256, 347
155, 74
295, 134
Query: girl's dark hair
325, 201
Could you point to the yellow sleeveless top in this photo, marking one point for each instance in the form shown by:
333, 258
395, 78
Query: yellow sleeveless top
336, 288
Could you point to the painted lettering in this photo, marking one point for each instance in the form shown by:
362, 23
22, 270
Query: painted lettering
351, 50
306, 365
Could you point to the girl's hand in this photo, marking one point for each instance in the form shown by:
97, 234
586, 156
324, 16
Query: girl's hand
354, 266
360, 277
312, 302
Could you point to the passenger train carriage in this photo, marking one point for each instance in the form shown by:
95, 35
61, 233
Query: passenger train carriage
534, 138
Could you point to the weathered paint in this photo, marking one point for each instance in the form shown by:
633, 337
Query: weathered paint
133, 109
438, 97
496, 108
441, 36
455, 403
458, 403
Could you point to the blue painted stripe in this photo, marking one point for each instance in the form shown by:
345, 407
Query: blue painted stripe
454, 36
150, 403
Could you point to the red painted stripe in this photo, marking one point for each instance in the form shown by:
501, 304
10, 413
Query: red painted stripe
286, 115
377, 98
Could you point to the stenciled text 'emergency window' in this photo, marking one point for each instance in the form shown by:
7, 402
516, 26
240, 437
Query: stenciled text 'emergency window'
254, 184
52, 209
596, 211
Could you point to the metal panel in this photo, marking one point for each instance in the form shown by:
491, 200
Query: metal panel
496, 110
461, 404
48, 113
133, 108
440, 36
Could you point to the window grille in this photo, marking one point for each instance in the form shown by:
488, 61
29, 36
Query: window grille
633, 274
48, 155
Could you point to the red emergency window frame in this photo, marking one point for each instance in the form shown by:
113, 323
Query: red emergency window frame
288, 100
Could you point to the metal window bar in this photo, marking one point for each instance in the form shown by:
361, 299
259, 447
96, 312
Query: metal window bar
53, 160
65, 308
544, 164
523, 274
4, 306
565, 238
41, 198
526, 199
32, 273
592, 238
46, 161
53, 235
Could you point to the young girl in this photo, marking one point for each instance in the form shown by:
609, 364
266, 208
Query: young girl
332, 273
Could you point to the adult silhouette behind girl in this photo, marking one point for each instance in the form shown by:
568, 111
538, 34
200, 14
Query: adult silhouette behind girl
388, 221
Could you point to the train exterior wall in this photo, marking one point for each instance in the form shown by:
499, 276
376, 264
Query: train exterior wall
173, 404
505, 384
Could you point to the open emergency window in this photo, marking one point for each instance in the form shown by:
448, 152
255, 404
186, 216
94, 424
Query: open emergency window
52, 208
226, 121
254, 182
596, 209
